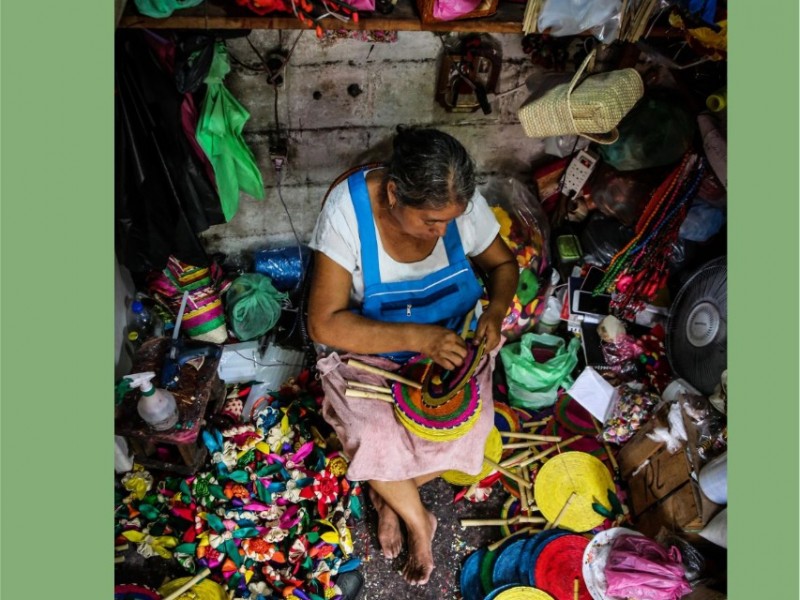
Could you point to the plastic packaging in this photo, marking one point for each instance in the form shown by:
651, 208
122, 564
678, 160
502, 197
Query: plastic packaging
573, 17
639, 567
446, 10
714, 479
702, 222
533, 384
656, 132
156, 406
602, 237
253, 306
284, 266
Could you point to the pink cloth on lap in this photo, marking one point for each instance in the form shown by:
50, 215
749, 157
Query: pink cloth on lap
378, 445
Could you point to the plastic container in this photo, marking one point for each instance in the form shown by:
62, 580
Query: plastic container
157, 407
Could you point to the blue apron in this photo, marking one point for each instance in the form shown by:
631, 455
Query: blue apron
439, 298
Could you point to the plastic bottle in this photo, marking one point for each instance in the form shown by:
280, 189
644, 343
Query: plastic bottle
140, 320
156, 406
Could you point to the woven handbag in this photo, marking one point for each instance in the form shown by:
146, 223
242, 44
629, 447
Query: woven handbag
591, 108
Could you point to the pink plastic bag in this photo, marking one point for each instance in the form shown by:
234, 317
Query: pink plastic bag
641, 568
445, 10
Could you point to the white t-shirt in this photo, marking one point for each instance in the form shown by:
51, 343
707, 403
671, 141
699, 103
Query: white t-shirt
336, 236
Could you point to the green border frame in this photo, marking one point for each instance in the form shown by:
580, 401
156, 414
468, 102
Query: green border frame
56, 298
763, 309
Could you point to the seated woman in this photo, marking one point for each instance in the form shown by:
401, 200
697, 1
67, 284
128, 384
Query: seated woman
392, 277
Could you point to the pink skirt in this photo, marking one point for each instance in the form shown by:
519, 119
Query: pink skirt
378, 445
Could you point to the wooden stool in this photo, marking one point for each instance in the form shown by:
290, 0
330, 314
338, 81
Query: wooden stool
198, 391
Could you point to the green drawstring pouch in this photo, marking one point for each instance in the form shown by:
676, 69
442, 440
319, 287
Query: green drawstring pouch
534, 385
219, 133
253, 305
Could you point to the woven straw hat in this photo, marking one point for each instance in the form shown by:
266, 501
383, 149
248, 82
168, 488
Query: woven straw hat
568, 473
592, 108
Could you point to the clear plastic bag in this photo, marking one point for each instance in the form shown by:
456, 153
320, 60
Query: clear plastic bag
601, 18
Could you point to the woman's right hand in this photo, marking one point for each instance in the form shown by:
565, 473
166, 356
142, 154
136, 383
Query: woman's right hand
446, 348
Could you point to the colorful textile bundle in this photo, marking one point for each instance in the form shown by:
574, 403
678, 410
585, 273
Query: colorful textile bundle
204, 317
271, 518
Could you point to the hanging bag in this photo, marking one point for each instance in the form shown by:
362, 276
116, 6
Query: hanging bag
591, 108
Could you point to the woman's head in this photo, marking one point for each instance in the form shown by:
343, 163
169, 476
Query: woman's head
430, 169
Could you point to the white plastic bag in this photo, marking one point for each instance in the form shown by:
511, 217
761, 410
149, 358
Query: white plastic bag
570, 17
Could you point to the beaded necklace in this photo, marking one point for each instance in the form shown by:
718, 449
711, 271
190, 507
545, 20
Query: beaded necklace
640, 269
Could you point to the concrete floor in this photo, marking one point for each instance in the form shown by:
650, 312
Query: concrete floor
451, 546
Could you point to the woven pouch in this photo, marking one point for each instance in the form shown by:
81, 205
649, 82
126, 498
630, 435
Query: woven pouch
591, 108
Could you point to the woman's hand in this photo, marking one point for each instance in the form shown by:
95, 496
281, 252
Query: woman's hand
489, 326
446, 348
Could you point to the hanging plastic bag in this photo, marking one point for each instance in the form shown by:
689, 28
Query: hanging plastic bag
219, 133
253, 306
601, 18
639, 567
533, 384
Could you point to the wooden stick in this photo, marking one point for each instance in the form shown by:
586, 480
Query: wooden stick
119, 559
524, 502
526, 475
387, 374
531, 436
494, 522
350, 393
516, 445
369, 386
516, 458
189, 584
561, 513
532, 424
498, 543
544, 453
576, 586
121, 547
506, 472
605, 445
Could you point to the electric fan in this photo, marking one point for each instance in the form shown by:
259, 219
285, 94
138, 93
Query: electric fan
697, 327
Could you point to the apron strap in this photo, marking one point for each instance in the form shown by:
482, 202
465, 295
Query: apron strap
366, 228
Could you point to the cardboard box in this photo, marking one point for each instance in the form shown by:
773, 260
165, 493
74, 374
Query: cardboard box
664, 492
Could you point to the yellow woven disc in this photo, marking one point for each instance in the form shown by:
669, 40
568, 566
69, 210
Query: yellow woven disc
523, 592
570, 472
493, 450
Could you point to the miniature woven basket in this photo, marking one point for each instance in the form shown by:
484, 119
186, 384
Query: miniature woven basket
591, 108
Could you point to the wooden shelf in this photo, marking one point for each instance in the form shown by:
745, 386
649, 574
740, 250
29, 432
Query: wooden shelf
226, 14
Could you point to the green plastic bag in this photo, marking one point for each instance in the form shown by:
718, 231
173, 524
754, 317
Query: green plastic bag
253, 305
219, 133
534, 385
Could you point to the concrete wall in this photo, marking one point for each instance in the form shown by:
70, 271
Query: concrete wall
335, 131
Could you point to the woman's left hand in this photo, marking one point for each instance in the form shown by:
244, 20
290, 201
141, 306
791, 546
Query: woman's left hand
489, 326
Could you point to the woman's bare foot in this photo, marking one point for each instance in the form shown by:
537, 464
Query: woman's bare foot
389, 534
420, 553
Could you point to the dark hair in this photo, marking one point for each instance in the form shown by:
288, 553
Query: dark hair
430, 168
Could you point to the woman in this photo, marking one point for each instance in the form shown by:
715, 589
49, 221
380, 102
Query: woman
392, 277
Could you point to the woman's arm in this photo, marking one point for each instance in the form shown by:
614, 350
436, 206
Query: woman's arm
502, 272
330, 322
